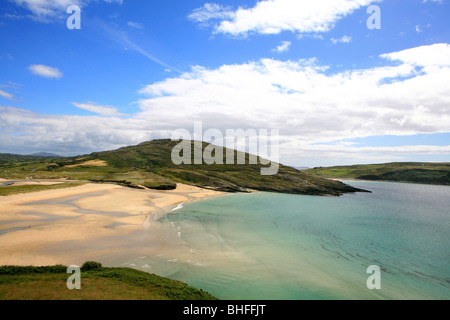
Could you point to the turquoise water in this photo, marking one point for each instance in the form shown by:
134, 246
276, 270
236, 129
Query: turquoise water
279, 246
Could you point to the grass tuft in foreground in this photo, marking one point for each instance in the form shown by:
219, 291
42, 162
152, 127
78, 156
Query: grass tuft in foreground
97, 283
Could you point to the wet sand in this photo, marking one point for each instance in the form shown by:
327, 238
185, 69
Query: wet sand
88, 222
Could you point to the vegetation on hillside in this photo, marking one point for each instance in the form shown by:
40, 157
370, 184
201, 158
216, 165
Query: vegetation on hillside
416, 172
7, 157
149, 165
97, 283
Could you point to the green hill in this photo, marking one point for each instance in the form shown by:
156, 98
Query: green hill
49, 283
416, 172
8, 158
149, 165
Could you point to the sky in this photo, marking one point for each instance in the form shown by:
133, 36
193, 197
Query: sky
343, 81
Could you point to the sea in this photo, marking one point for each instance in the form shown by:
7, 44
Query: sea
392, 243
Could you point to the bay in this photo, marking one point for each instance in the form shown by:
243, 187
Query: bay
280, 246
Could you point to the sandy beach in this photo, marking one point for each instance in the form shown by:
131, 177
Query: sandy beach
88, 222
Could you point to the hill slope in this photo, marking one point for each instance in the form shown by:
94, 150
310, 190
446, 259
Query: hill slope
49, 283
416, 172
8, 157
149, 164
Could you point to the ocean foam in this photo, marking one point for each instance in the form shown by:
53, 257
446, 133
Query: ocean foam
180, 206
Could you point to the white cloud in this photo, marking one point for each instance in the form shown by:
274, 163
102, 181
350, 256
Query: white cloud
24, 131
47, 10
210, 11
344, 39
275, 16
436, 55
101, 110
399, 150
9, 85
291, 95
283, 47
6, 95
136, 25
311, 107
343, 155
45, 71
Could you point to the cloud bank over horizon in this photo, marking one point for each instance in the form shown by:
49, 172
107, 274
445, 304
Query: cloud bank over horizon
313, 108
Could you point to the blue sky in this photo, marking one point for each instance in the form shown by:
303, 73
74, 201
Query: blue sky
339, 93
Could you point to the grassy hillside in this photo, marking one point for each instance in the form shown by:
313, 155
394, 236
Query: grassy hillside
417, 172
49, 283
7, 157
149, 165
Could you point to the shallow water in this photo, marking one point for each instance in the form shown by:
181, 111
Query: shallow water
279, 246
12, 229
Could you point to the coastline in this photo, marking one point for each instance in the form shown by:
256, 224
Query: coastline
72, 225
390, 181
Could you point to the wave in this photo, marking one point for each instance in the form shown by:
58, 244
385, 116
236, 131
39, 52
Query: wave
180, 206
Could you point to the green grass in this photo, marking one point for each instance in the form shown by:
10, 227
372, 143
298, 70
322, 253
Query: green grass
417, 172
9, 190
49, 283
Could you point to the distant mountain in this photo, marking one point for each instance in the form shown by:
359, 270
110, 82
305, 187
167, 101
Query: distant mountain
46, 154
301, 168
416, 172
11, 158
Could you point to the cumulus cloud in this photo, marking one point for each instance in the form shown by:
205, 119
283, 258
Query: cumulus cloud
310, 105
299, 98
283, 47
45, 71
275, 16
436, 55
